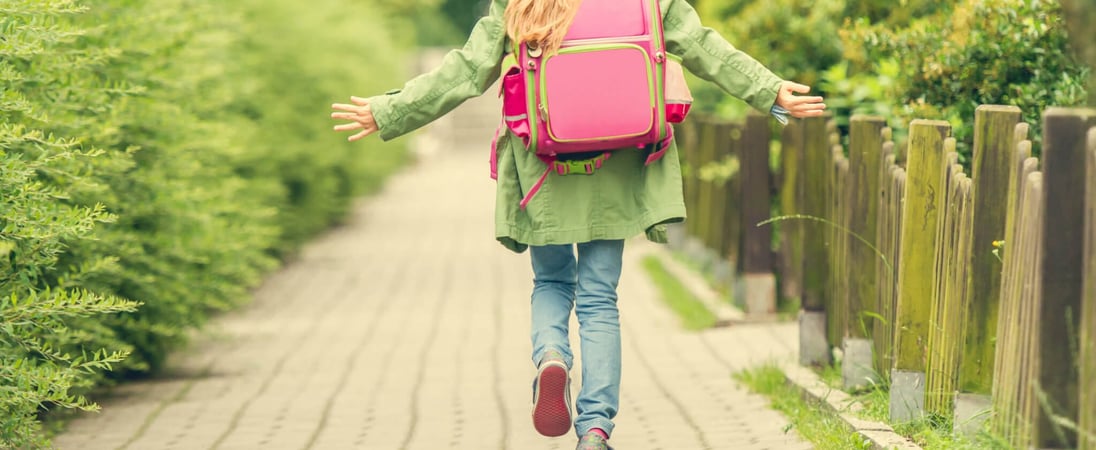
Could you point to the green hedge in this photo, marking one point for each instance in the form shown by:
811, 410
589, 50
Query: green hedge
156, 160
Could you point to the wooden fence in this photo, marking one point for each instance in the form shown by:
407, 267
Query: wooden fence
973, 295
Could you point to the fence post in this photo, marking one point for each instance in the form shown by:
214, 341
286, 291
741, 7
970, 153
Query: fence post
814, 347
1012, 378
791, 231
1029, 285
837, 308
714, 225
993, 159
865, 161
1088, 332
690, 151
706, 151
732, 209
723, 148
889, 233
755, 251
695, 187
1064, 163
943, 331
917, 269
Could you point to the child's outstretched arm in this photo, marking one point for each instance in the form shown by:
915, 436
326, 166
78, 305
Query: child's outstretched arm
463, 74
709, 56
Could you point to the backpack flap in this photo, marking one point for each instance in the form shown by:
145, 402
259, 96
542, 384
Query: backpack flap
592, 96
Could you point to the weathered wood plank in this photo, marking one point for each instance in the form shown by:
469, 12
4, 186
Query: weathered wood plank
1030, 311
724, 147
894, 255
817, 164
756, 251
994, 147
942, 348
968, 414
865, 161
839, 281
1088, 329
791, 234
756, 257
954, 300
732, 244
814, 342
707, 143
1064, 163
916, 274
1004, 374
883, 322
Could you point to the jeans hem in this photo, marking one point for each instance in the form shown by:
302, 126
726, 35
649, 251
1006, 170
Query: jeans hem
568, 359
606, 425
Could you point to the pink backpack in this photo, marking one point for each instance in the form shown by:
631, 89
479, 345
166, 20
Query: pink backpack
604, 90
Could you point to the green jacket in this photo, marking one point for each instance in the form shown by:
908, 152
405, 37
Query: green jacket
620, 200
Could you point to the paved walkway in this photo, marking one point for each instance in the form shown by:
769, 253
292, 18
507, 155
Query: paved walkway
407, 328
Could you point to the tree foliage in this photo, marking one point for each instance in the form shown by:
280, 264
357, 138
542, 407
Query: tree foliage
1080, 15
974, 52
911, 58
793, 38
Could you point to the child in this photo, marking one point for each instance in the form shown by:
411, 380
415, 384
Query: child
590, 214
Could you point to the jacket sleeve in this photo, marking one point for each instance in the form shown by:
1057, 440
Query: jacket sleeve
709, 56
463, 74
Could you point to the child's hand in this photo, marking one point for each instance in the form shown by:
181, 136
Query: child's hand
361, 115
799, 106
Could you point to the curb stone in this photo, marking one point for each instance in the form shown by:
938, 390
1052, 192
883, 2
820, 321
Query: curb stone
844, 407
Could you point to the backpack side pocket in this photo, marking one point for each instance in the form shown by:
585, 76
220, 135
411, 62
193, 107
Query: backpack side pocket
678, 97
514, 107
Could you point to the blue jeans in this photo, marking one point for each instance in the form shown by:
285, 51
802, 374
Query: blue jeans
588, 283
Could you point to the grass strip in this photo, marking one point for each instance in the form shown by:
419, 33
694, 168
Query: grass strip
694, 315
931, 433
825, 431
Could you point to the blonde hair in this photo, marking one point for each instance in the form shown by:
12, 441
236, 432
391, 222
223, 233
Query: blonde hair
540, 23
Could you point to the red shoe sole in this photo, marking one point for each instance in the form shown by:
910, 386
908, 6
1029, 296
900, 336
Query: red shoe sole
551, 415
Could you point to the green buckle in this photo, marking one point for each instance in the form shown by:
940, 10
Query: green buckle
580, 166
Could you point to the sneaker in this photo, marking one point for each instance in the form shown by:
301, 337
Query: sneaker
552, 399
593, 441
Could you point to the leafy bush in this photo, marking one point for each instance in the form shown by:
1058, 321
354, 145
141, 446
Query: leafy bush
1012, 52
39, 220
860, 93
793, 38
889, 12
167, 154
910, 59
